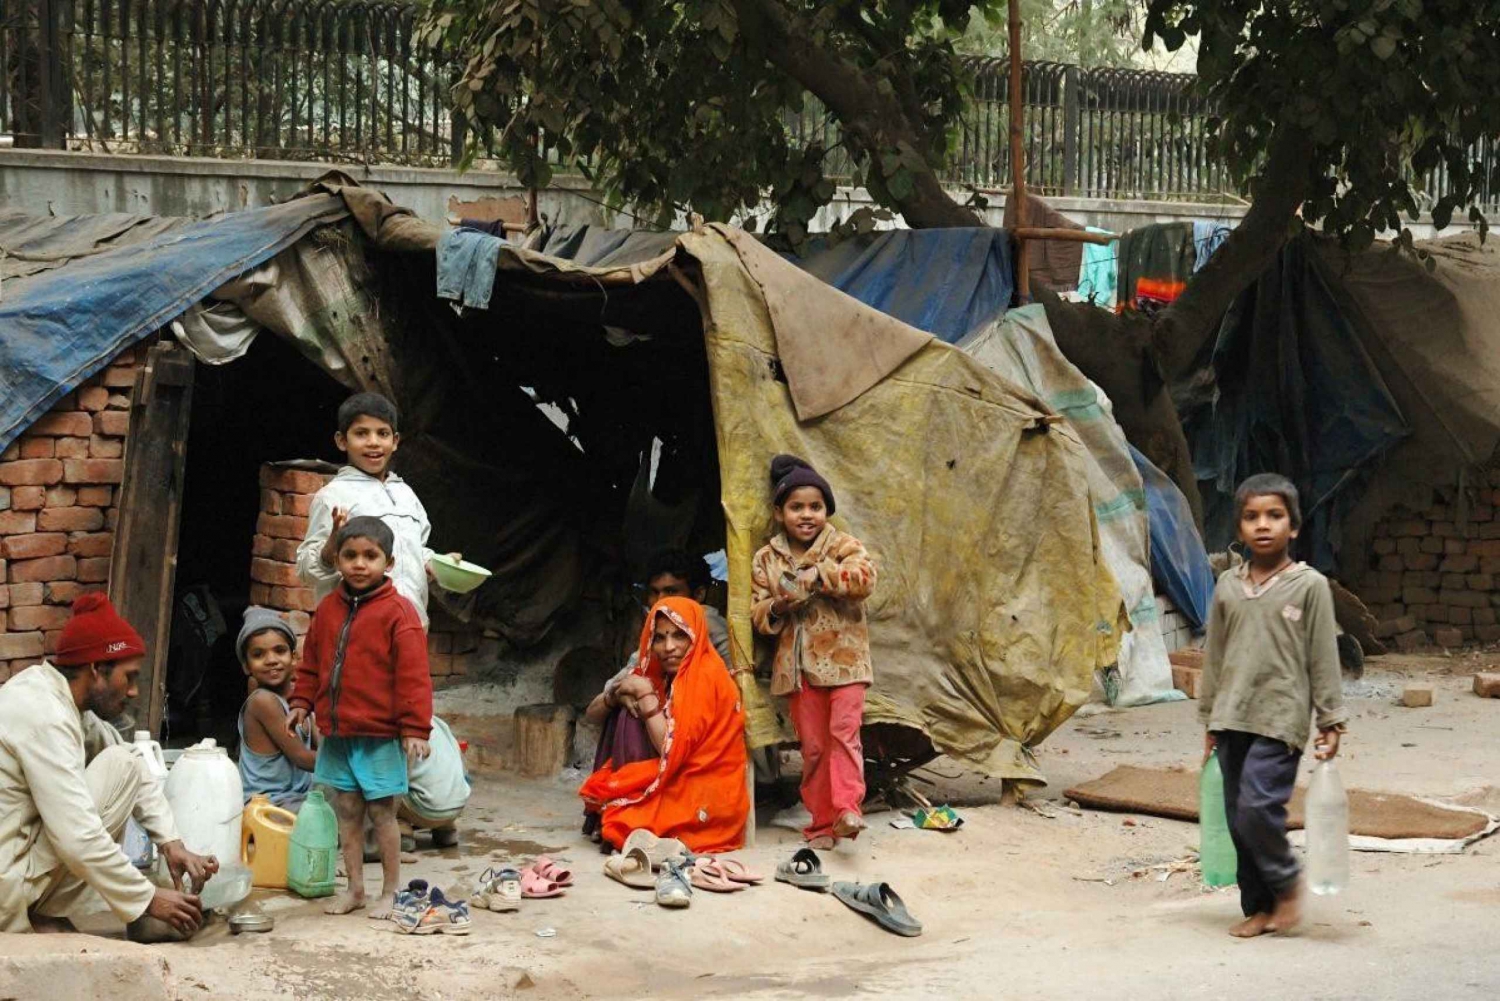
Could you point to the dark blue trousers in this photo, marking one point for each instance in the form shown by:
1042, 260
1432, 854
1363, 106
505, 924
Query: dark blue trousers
1259, 775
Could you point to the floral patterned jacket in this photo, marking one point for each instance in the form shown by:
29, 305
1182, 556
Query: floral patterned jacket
825, 639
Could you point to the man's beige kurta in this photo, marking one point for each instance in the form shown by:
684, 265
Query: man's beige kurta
49, 820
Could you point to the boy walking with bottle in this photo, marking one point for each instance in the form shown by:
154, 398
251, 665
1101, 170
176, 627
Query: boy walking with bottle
1271, 662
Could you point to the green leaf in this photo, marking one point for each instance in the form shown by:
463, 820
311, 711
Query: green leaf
1384, 46
901, 184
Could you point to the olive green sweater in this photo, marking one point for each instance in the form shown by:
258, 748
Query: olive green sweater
1272, 657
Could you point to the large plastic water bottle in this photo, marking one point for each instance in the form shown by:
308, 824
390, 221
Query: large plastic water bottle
1327, 831
313, 858
138, 845
1216, 854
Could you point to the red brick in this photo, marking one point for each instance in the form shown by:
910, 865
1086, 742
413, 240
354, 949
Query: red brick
1445, 529
274, 573
28, 498
270, 502
461, 665
39, 617
17, 522
119, 401
93, 470
4, 596
292, 481
1414, 640
1408, 547
35, 546
38, 448
69, 424
298, 504
112, 518
118, 377
282, 526
30, 472
25, 594
1487, 685
1487, 634
260, 594
440, 665
300, 622
1422, 561
439, 643
61, 496
49, 568
93, 570
93, 398
14, 645
280, 550
70, 519
261, 546
126, 357
1460, 564
1410, 529
1488, 547
1460, 616
92, 543
49, 641
96, 496
295, 599
63, 592
1464, 599
1384, 547
1454, 581
1448, 639
1432, 613
1434, 545
1455, 547
1419, 596
1395, 627
11, 453
101, 447
72, 448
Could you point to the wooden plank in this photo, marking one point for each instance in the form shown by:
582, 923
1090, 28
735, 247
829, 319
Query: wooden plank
143, 570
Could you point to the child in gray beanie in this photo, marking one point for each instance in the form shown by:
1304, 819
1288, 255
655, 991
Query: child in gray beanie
273, 763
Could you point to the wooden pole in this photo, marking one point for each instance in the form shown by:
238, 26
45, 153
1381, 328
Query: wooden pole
1017, 163
1065, 235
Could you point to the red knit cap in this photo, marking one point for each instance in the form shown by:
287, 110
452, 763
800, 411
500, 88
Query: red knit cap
96, 634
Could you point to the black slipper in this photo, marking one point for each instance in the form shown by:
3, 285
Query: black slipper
803, 870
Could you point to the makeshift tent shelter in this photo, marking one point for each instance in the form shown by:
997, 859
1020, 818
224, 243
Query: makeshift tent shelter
995, 607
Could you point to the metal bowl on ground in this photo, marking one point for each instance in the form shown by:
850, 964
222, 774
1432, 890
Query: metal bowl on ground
251, 922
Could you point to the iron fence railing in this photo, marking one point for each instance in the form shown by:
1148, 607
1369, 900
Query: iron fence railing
346, 80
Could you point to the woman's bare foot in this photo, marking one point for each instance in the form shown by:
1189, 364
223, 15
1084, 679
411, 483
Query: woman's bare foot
383, 910
1255, 924
344, 903
1287, 914
822, 843
43, 925
848, 825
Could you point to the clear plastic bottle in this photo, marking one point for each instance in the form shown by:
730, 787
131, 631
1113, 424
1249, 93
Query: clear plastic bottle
1327, 832
1216, 854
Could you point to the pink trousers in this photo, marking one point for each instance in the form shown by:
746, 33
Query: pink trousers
833, 763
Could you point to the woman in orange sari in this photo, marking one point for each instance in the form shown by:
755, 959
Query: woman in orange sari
695, 789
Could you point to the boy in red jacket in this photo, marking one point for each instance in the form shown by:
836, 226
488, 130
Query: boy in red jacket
364, 671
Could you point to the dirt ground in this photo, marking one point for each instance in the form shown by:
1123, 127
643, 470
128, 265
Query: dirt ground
1016, 904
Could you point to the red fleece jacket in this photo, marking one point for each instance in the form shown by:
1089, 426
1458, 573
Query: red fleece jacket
364, 667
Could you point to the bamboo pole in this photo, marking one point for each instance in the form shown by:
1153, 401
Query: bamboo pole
1017, 164
1065, 235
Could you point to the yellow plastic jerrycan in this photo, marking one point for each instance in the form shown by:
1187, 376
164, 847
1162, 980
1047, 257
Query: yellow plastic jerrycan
265, 837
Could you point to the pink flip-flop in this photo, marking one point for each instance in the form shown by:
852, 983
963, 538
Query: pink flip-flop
549, 870
708, 874
535, 887
736, 870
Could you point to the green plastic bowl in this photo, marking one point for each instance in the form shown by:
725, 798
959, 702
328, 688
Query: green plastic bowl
458, 576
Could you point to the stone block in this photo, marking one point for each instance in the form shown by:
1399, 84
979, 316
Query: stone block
1413, 641
1489, 565
1481, 513
1385, 578
1484, 616
93, 570
1455, 547
1384, 547
1467, 563
1411, 528
1432, 544
1408, 547
1420, 696
1445, 529
66, 424
282, 526
1463, 616
1490, 530
1395, 627
1487, 547
91, 543
1466, 599
1487, 684
1487, 634
70, 519
1421, 561
1480, 581
1391, 563
276, 574
93, 470
30, 472
1432, 613
1385, 613
18, 644
1419, 596
1455, 582
1380, 595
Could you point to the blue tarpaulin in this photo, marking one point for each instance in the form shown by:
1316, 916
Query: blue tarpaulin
948, 282
62, 325
1179, 563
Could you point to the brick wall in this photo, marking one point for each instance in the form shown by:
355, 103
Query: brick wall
1436, 571
58, 496
454, 648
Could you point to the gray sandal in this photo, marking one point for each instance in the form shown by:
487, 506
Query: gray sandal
804, 871
879, 901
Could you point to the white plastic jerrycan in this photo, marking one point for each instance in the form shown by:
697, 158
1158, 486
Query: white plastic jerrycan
207, 800
138, 845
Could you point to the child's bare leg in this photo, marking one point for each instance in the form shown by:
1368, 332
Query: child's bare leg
388, 839
350, 807
1255, 924
1288, 912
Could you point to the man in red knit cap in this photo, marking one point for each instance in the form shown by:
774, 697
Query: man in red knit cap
68, 784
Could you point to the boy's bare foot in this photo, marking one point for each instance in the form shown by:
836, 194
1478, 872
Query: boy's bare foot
43, 925
1255, 924
383, 910
344, 903
848, 825
1287, 914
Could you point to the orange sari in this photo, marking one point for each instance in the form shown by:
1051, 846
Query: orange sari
695, 790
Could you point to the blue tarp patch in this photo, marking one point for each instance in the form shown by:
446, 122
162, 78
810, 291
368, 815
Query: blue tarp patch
1179, 563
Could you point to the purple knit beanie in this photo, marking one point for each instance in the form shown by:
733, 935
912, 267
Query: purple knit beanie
789, 472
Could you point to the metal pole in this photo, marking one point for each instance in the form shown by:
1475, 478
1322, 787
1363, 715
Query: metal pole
1017, 161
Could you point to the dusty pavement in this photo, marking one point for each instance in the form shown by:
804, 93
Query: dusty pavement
1016, 905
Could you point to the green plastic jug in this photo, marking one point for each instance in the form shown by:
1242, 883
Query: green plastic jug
312, 860
1216, 855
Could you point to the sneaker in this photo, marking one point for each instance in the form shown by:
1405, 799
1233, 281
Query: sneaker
498, 890
673, 889
443, 916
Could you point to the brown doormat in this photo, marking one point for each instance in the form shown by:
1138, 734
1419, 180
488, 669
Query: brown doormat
1173, 793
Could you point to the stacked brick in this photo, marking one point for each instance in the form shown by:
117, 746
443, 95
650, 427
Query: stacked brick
58, 495
285, 499
1436, 573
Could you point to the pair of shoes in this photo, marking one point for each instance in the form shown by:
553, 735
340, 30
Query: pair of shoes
543, 877
498, 890
658, 850
440, 916
674, 889
721, 875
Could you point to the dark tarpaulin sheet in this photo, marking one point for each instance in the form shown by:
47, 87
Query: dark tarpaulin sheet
63, 324
1297, 394
948, 282
1179, 563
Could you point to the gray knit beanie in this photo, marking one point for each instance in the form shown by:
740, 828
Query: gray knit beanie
258, 620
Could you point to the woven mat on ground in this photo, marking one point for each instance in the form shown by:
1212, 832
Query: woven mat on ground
1165, 792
